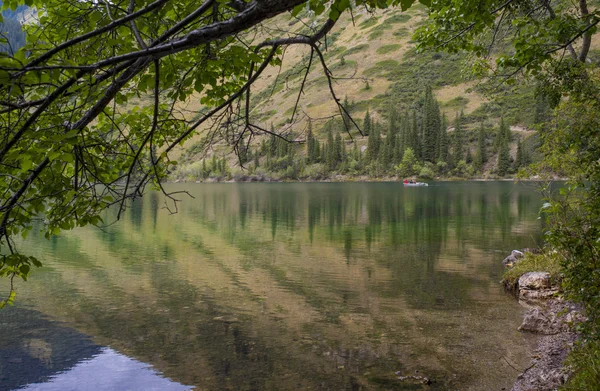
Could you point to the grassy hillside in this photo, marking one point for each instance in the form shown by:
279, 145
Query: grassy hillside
376, 68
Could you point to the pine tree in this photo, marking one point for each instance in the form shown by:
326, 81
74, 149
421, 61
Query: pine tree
322, 153
444, 141
337, 150
317, 153
367, 123
519, 161
459, 139
503, 162
481, 154
431, 127
373, 145
469, 157
256, 160
214, 164
204, 169
392, 137
413, 137
345, 117
504, 134
330, 151
310, 144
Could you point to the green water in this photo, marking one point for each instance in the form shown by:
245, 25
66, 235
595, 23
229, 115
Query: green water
286, 287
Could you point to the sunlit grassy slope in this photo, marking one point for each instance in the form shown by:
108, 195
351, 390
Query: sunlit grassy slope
375, 66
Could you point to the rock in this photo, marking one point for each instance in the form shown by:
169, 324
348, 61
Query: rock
538, 321
516, 255
535, 280
510, 261
537, 296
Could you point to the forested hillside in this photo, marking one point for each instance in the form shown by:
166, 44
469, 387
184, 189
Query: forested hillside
408, 114
12, 37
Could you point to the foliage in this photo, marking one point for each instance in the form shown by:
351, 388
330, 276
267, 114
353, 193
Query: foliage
586, 360
572, 146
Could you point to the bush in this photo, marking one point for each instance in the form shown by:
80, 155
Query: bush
585, 362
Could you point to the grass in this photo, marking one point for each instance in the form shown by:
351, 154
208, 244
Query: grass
379, 30
382, 68
401, 33
388, 48
356, 49
544, 262
368, 23
456, 103
398, 18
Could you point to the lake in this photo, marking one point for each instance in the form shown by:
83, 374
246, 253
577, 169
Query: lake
280, 286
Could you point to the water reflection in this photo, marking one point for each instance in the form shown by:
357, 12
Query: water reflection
302, 286
43, 355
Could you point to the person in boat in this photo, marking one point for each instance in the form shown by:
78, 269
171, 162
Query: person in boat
412, 181
406, 181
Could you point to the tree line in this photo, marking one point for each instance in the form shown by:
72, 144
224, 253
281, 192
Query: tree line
418, 143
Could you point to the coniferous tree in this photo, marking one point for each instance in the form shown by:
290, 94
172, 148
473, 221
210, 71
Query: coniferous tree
519, 161
310, 144
481, 155
503, 134
345, 117
392, 137
204, 169
469, 157
458, 151
367, 123
317, 154
431, 127
444, 141
373, 145
214, 164
413, 138
503, 162
256, 160
337, 150
330, 151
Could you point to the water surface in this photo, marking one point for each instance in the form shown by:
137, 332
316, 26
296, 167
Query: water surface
280, 287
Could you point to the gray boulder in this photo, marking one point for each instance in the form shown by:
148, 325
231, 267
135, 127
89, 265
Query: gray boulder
535, 280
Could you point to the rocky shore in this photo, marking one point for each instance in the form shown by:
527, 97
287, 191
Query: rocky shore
550, 316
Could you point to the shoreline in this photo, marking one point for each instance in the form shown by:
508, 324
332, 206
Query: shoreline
360, 180
552, 318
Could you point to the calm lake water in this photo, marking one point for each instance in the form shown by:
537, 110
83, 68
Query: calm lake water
324, 286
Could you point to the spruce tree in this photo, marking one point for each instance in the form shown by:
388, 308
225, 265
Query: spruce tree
345, 117
337, 152
310, 144
431, 127
214, 164
256, 160
458, 151
373, 145
317, 154
367, 123
503, 161
330, 151
481, 155
444, 141
519, 161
